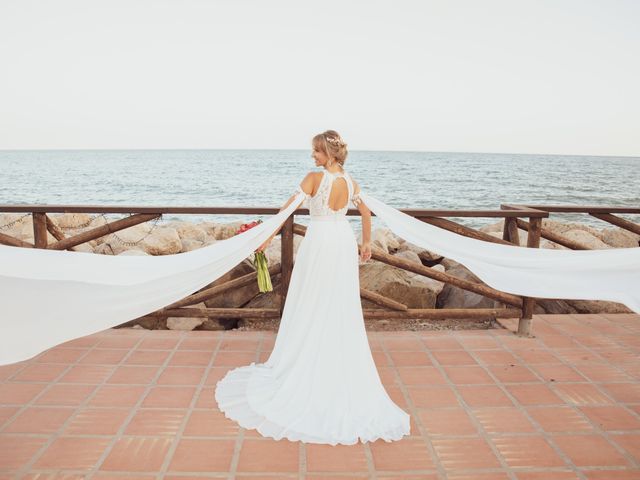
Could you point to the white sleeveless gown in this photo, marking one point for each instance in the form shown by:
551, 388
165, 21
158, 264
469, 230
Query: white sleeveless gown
320, 383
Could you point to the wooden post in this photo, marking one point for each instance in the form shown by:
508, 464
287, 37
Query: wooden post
508, 235
286, 259
505, 229
39, 229
512, 228
533, 241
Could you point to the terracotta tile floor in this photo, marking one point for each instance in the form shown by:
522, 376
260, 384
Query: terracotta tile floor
485, 404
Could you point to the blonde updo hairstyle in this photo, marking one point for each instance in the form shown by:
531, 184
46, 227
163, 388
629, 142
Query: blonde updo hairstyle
332, 144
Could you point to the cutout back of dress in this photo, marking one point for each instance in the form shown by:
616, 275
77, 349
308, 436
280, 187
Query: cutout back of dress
319, 203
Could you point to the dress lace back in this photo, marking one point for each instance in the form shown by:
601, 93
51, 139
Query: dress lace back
318, 204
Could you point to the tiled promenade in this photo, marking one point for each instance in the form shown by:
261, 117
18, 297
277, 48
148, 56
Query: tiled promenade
134, 404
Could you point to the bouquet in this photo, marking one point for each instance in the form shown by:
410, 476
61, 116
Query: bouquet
259, 261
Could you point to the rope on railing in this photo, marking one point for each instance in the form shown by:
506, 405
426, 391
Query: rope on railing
131, 244
91, 220
13, 222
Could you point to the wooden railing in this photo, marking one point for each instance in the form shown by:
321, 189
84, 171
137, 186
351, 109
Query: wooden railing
512, 305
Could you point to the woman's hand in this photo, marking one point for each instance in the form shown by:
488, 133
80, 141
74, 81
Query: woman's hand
365, 252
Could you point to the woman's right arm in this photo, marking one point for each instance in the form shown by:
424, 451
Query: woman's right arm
365, 214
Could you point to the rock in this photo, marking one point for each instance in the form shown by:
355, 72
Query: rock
236, 297
188, 231
105, 249
133, 251
111, 244
274, 251
384, 239
426, 257
207, 227
620, 238
162, 241
598, 306
222, 231
561, 228
522, 236
76, 220
493, 227
266, 299
209, 241
585, 238
17, 218
153, 240
213, 324
408, 255
413, 290
190, 244
184, 323
151, 323
550, 305
84, 247
455, 297
22, 229
544, 243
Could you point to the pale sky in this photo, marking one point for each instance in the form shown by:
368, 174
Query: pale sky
530, 76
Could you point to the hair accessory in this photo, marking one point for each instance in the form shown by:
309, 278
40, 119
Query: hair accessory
334, 141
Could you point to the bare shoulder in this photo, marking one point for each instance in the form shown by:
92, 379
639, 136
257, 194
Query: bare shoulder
314, 177
310, 181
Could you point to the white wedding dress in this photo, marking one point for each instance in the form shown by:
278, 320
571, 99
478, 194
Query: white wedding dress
320, 383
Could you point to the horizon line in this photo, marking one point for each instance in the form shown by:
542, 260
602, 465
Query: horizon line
302, 149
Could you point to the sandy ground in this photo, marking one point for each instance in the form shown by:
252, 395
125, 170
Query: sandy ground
392, 324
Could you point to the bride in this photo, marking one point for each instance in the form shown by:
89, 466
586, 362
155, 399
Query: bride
320, 383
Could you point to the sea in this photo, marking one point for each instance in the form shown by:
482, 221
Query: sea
429, 180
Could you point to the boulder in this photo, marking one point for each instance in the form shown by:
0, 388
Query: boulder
522, 236
77, 220
411, 289
111, 244
162, 241
267, 299
426, 257
214, 324
222, 231
620, 238
189, 244
598, 306
561, 228
544, 243
184, 323
236, 297
22, 229
133, 251
384, 239
456, 297
188, 231
274, 251
209, 240
152, 240
585, 238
